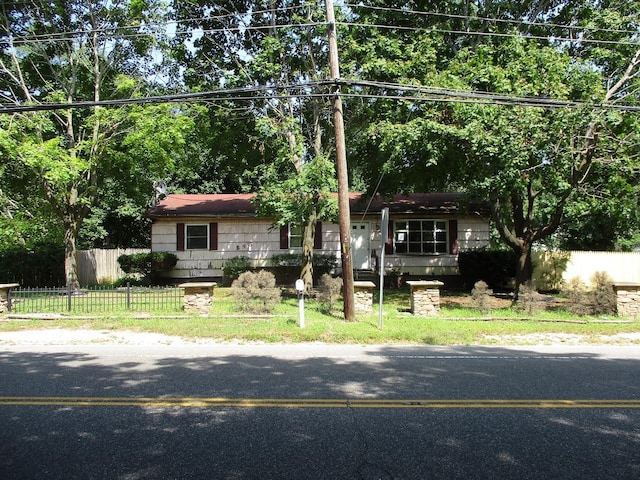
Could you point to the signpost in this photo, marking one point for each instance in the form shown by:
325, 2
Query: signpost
384, 229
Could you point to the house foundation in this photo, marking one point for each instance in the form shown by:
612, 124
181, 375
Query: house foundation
628, 299
425, 297
198, 296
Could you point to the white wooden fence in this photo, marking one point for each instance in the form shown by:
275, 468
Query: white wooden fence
98, 266
552, 268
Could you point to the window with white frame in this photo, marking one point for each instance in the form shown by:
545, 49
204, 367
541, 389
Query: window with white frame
295, 236
197, 237
420, 236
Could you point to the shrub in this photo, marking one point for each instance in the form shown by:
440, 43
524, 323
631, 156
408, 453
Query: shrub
147, 265
496, 267
329, 290
234, 267
256, 292
603, 297
322, 263
38, 265
481, 295
577, 296
597, 300
527, 299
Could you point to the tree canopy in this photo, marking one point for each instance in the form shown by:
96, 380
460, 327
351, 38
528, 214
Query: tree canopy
531, 106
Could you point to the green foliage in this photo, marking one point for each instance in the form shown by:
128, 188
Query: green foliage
495, 267
149, 266
40, 265
234, 267
321, 261
329, 290
256, 292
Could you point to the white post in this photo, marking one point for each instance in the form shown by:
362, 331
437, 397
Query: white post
300, 290
384, 229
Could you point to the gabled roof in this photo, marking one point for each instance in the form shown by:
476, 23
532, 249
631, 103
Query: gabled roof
241, 205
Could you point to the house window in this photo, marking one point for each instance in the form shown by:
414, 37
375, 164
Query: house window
420, 236
295, 236
197, 237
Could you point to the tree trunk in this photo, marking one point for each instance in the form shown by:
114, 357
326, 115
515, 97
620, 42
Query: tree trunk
306, 273
524, 267
70, 255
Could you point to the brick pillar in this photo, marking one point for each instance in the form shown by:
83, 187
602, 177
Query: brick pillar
628, 299
198, 296
425, 297
5, 288
363, 296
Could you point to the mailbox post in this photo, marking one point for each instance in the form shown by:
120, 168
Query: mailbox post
300, 290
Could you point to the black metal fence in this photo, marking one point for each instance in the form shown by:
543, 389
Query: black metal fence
96, 300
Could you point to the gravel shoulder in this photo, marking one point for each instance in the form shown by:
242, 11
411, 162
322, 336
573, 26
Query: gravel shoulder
124, 337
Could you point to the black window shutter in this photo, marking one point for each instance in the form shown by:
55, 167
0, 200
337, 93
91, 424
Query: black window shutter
213, 236
180, 237
317, 240
453, 237
284, 237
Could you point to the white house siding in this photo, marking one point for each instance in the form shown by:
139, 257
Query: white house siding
254, 238
473, 233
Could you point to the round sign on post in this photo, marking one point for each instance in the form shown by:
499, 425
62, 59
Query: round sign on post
300, 289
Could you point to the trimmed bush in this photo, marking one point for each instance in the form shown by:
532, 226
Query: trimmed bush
256, 292
495, 267
234, 267
481, 295
329, 291
600, 299
288, 265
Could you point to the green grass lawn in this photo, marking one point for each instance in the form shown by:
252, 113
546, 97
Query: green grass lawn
454, 325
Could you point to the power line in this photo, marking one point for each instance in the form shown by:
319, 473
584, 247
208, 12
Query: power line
163, 28
309, 90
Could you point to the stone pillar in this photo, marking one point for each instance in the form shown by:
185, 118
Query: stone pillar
363, 296
198, 296
425, 297
628, 299
5, 288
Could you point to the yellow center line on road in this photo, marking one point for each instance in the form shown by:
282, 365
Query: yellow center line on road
215, 402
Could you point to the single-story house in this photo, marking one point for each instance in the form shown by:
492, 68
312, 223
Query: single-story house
426, 232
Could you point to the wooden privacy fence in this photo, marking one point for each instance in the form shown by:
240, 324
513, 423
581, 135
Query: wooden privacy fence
552, 268
101, 265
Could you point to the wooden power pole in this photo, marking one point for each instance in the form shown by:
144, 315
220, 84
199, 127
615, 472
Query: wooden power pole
341, 168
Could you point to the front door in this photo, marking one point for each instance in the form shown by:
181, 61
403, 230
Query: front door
361, 245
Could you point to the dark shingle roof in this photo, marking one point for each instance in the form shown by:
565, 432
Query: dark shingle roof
240, 205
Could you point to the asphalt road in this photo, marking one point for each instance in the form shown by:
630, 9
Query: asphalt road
318, 412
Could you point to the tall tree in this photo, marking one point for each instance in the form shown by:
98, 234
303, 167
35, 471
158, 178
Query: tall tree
537, 165
274, 49
65, 52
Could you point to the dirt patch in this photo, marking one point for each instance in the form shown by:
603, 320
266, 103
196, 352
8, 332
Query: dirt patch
504, 301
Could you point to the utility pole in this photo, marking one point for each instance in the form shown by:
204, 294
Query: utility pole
344, 213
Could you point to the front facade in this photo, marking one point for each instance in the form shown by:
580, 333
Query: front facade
426, 232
